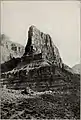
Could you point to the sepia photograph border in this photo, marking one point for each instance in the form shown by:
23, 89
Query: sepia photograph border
80, 42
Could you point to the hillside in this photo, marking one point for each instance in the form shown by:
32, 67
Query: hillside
39, 84
10, 49
77, 68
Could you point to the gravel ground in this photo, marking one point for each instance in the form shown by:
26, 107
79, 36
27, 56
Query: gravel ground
15, 105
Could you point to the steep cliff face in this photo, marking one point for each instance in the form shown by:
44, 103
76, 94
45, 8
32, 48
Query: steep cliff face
39, 42
10, 49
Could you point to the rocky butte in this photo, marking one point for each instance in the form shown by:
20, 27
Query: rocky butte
39, 67
41, 43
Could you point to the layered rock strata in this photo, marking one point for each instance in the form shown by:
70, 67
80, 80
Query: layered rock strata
40, 67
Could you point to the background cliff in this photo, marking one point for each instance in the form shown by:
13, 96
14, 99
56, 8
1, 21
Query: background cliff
10, 49
77, 68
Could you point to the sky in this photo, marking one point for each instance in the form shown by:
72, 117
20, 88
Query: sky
60, 19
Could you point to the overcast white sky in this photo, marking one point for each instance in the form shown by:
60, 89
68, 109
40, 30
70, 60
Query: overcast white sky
60, 19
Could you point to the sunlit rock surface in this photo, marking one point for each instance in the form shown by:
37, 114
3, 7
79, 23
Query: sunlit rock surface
39, 42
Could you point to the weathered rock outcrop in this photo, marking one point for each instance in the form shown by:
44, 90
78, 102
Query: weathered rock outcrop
39, 42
